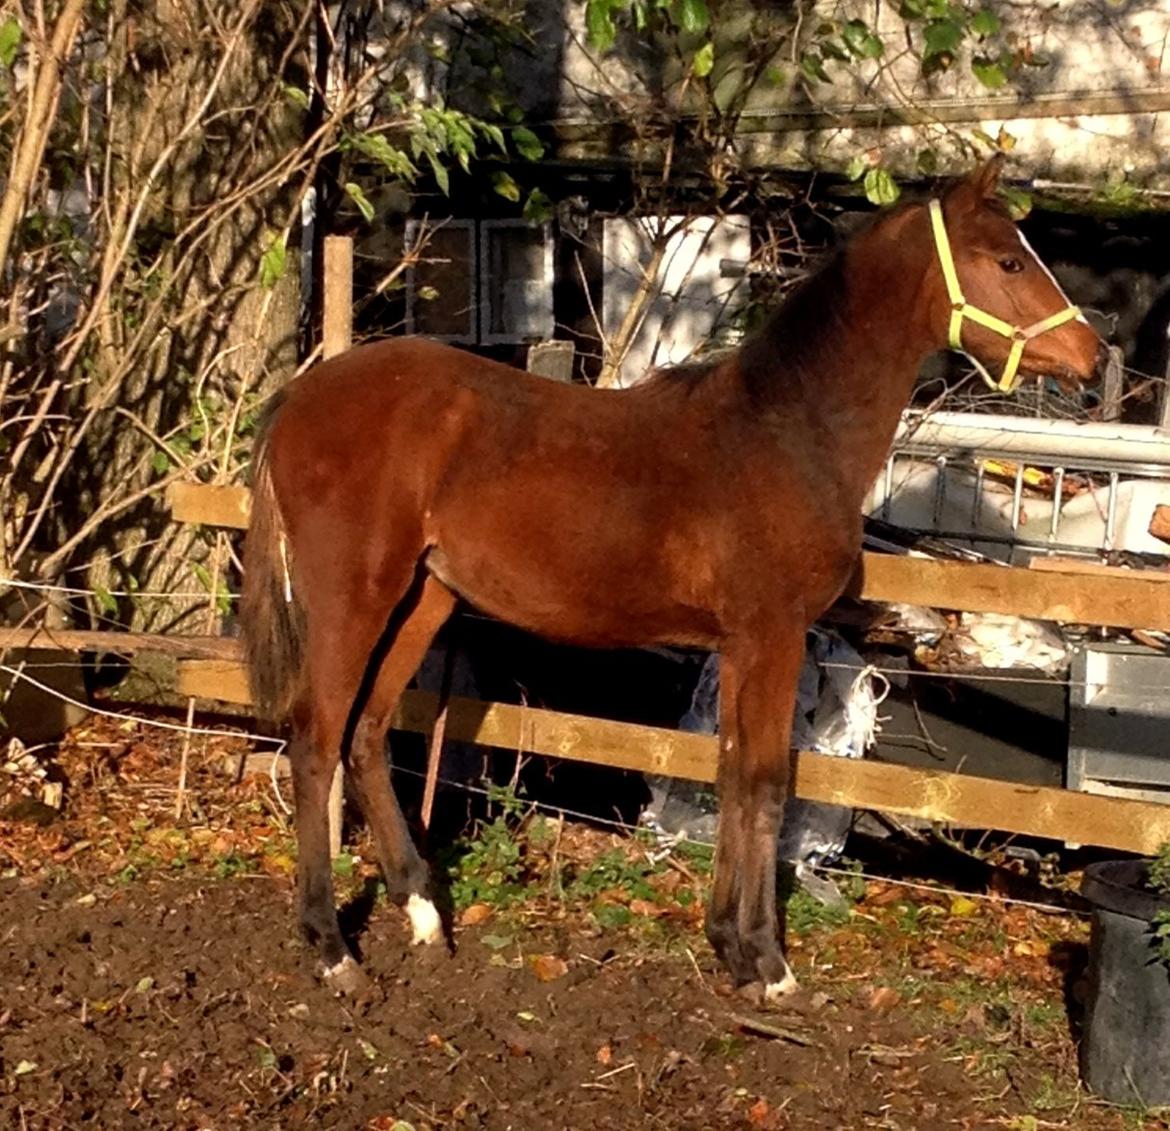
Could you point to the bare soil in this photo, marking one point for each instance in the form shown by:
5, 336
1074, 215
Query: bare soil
150, 978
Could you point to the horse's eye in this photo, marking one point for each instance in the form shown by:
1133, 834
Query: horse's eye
1011, 266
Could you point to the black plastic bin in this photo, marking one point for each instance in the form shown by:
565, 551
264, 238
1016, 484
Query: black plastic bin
1125, 1047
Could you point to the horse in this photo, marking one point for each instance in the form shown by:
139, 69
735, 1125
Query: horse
715, 506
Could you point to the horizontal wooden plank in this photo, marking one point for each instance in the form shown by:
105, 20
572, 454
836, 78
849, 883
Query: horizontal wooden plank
1125, 600
1095, 569
932, 795
1121, 598
1160, 523
118, 642
210, 505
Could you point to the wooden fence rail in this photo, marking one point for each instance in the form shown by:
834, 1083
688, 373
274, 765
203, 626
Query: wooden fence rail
933, 795
1117, 598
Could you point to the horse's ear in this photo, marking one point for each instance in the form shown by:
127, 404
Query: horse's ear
981, 185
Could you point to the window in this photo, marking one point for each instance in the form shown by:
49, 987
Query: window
486, 282
516, 272
440, 286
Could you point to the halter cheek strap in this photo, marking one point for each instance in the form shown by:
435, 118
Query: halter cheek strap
961, 308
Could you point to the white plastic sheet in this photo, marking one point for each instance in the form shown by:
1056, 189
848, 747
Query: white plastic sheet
836, 713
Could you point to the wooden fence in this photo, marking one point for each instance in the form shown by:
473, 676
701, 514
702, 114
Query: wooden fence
210, 669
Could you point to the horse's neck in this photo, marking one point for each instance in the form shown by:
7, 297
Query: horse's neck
845, 357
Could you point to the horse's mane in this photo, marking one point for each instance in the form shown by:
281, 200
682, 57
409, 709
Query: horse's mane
795, 336
790, 331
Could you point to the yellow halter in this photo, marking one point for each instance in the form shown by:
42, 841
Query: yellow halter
961, 308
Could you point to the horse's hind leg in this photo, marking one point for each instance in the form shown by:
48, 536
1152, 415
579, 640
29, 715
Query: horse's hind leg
405, 872
344, 632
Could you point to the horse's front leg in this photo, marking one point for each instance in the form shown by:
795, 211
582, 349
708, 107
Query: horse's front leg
757, 730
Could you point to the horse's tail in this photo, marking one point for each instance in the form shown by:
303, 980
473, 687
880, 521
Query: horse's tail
271, 615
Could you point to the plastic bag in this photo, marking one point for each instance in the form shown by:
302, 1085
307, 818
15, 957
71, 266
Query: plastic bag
836, 713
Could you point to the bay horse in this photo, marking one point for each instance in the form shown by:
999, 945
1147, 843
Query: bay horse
716, 506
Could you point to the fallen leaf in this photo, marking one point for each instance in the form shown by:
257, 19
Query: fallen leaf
24, 1068
496, 942
962, 907
645, 907
761, 1115
547, 967
475, 914
1031, 948
278, 864
883, 998
605, 1056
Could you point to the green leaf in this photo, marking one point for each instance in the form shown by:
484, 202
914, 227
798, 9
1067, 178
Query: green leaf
813, 66
989, 72
355, 193
861, 41
495, 135
831, 51
506, 186
161, 463
985, 23
527, 144
774, 75
856, 168
941, 37
599, 29
442, 178
704, 59
104, 600
296, 96
272, 263
880, 187
1018, 201
10, 36
537, 207
376, 147
692, 16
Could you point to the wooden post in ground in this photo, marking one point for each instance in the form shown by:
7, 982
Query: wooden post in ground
337, 337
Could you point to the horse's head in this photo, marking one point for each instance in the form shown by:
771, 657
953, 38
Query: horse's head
995, 300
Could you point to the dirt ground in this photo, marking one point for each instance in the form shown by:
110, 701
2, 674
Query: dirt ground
150, 978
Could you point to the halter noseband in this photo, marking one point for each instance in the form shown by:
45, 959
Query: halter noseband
961, 308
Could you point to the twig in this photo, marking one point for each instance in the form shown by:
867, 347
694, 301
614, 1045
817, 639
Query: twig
768, 1029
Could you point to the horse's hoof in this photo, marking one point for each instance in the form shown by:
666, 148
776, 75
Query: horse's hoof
425, 925
347, 978
777, 991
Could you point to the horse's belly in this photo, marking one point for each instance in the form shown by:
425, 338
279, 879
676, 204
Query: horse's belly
582, 601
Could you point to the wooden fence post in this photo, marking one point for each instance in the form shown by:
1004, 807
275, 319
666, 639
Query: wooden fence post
337, 337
